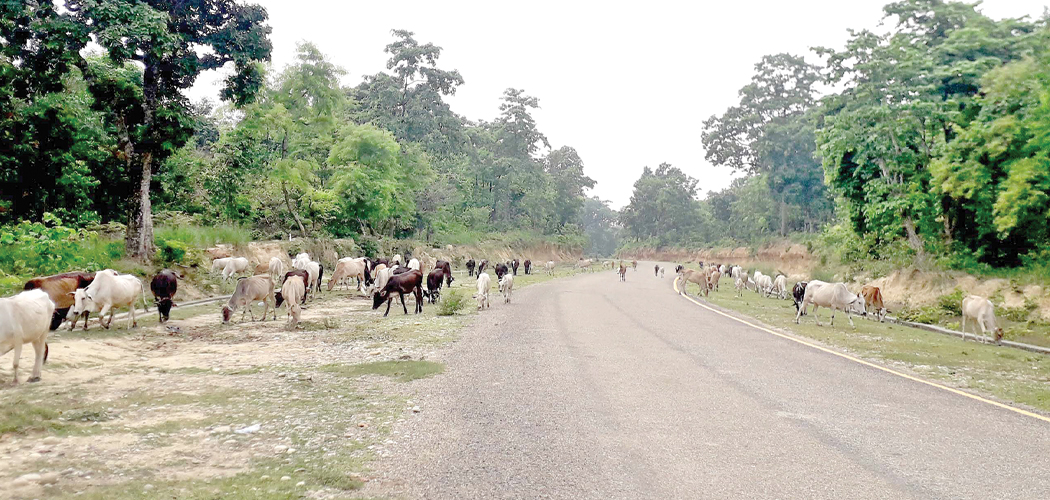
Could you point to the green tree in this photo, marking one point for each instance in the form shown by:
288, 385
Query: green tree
663, 206
600, 225
566, 171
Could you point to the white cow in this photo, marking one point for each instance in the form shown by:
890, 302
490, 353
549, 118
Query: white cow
313, 269
26, 319
484, 283
413, 264
834, 296
981, 311
778, 287
396, 260
549, 267
300, 261
276, 269
741, 281
219, 264
762, 282
106, 293
234, 266
506, 285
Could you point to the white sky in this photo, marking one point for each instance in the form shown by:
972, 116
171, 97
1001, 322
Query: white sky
627, 85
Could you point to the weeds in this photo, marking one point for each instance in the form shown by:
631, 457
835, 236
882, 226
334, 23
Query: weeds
452, 303
404, 371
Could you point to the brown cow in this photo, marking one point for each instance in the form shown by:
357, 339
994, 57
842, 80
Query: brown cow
60, 288
873, 299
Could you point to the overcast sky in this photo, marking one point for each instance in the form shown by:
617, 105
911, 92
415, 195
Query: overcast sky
627, 86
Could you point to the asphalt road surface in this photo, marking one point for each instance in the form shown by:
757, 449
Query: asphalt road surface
591, 388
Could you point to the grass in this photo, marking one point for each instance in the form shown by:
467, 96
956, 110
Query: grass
1002, 372
205, 236
402, 370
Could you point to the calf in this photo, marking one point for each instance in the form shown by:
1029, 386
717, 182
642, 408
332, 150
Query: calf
501, 269
778, 287
834, 296
741, 281
470, 268
248, 291
26, 319
295, 289
60, 288
409, 282
693, 276
713, 278
981, 311
528, 266
164, 285
514, 266
622, 272
506, 285
873, 299
106, 292
484, 283
434, 281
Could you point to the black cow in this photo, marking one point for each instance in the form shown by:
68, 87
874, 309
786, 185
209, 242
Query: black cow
470, 267
434, 281
481, 267
501, 269
528, 266
164, 286
409, 282
444, 265
798, 293
514, 266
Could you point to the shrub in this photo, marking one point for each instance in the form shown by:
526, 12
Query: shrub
951, 303
930, 315
452, 303
172, 251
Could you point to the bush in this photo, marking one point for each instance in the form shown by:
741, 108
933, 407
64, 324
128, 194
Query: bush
452, 303
929, 315
39, 248
951, 303
172, 251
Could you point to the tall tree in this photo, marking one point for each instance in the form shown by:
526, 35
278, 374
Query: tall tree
663, 206
172, 42
566, 171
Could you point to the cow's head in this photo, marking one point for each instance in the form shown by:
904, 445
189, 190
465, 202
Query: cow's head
164, 306
227, 313
81, 302
279, 299
998, 335
378, 298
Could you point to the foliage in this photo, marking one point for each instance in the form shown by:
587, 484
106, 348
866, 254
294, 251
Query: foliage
951, 303
48, 247
452, 302
600, 225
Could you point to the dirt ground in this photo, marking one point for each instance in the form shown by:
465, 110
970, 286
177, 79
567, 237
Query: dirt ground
194, 408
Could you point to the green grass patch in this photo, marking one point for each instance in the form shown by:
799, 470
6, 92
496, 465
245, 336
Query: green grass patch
19, 415
404, 371
205, 236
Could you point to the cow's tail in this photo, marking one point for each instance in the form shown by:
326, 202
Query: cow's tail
45, 352
145, 305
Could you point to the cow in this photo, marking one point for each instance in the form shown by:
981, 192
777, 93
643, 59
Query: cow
506, 285
622, 272
313, 270
662, 271
873, 300
26, 319
656, 270
528, 266
409, 282
447, 267
584, 264
634, 265
741, 281
249, 291
484, 283
778, 287
549, 267
693, 276
294, 288
276, 269
501, 269
60, 288
514, 266
235, 266
481, 266
164, 285
834, 296
735, 272
300, 261
414, 264
470, 268
351, 268
760, 283
396, 259
219, 264
797, 293
434, 282
294, 272
713, 278
106, 292
981, 311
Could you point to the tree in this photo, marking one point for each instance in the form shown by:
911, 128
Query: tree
566, 171
173, 43
663, 206
601, 226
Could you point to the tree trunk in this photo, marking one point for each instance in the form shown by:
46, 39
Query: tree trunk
139, 242
783, 218
288, 203
913, 238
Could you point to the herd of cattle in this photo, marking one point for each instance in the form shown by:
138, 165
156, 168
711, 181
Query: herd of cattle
49, 301
816, 293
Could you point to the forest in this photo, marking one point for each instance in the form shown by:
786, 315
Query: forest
930, 139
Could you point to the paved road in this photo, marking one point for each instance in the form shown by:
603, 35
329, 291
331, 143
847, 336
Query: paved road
591, 388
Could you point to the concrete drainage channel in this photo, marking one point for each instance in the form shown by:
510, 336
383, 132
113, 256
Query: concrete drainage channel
192, 303
965, 336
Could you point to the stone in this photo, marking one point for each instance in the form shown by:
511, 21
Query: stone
286, 478
416, 409
280, 448
51, 440
248, 430
25, 479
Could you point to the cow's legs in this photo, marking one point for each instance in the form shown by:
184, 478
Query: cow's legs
850, 318
18, 354
388, 302
39, 346
815, 316
403, 306
102, 316
132, 320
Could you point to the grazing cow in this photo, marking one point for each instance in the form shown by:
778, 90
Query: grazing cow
834, 296
656, 270
276, 269
528, 266
501, 269
713, 278
220, 264
514, 266
634, 265
294, 288
376, 262
584, 264
693, 276
382, 276
779, 287
757, 276
300, 261
506, 285
348, 269
249, 291
736, 271
481, 266
549, 267
470, 268
447, 267
434, 282
26, 319
60, 288
313, 270
295, 272
623, 272
397, 260
234, 266
108, 291
164, 285
981, 311
741, 281
414, 264
410, 282
484, 283
797, 294
873, 300
662, 271
722, 268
